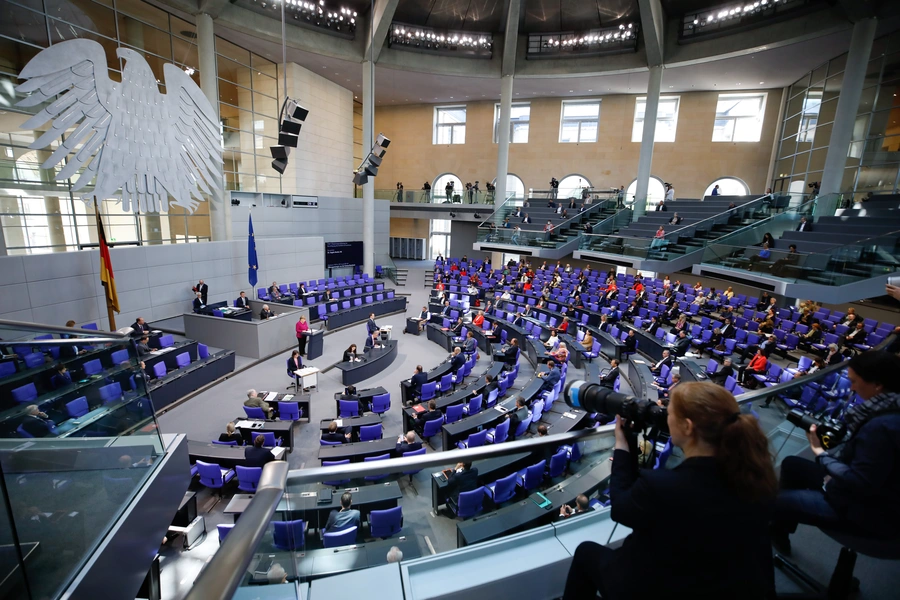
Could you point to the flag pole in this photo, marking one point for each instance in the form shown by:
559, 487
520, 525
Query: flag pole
112, 319
101, 237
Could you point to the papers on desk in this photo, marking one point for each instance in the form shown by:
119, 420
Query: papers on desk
164, 350
638, 361
287, 398
501, 409
270, 396
570, 415
339, 422
306, 371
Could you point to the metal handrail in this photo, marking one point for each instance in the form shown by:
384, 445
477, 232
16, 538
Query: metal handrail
562, 224
39, 328
763, 222
892, 234
497, 208
744, 206
223, 574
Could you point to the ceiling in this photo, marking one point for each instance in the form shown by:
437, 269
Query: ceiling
767, 69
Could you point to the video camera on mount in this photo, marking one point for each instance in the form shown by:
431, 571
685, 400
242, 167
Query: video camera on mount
829, 432
595, 398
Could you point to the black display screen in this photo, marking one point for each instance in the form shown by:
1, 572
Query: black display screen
343, 254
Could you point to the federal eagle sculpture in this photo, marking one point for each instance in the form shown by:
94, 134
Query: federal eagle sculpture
123, 136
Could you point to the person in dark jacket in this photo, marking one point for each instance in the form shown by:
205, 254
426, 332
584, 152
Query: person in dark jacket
333, 435
231, 435
462, 478
719, 493
854, 488
407, 443
431, 414
256, 455
609, 380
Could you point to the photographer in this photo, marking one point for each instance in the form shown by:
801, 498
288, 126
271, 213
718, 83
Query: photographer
712, 508
862, 480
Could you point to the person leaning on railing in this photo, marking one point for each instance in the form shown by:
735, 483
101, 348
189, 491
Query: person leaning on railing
711, 510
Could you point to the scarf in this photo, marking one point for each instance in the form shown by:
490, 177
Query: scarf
861, 413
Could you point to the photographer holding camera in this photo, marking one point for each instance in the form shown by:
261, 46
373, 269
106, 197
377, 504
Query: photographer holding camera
708, 514
855, 490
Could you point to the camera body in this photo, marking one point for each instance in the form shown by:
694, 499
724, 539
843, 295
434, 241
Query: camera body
830, 433
595, 398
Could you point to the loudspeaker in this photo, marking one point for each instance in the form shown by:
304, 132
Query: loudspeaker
279, 165
290, 127
287, 139
280, 152
360, 178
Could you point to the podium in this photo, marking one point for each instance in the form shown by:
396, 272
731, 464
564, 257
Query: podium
314, 343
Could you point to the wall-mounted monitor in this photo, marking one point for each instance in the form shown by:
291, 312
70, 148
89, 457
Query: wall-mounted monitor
343, 254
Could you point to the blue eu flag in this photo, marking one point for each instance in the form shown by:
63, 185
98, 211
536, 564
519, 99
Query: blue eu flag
253, 262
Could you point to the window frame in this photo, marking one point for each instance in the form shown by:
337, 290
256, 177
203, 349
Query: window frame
579, 120
806, 132
656, 138
512, 124
437, 125
759, 118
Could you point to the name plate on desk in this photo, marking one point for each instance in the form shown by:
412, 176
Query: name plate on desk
570, 415
249, 424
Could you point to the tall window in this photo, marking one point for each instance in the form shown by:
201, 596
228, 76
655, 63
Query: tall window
739, 117
728, 186
440, 238
809, 118
519, 117
449, 125
579, 121
571, 186
666, 119
439, 187
655, 192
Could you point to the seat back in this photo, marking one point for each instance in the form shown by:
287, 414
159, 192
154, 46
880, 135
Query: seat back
477, 439
428, 390
77, 407
92, 367
119, 356
166, 341
454, 413
558, 463
224, 529
202, 351
370, 432
248, 478
501, 433
255, 412
470, 503
537, 409
344, 537
349, 408
505, 488
385, 523
534, 475
289, 535
432, 428
183, 360
35, 359
210, 474
288, 411
268, 439
111, 392
381, 403
523, 426
474, 406
372, 459
159, 369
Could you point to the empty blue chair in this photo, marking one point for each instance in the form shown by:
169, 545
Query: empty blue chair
432, 428
499, 433
531, 477
454, 413
428, 390
370, 432
202, 351
213, 476
166, 341
523, 426
374, 458
35, 359
119, 356
503, 489
91, 326
380, 404
217, 313
25, 393
446, 383
77, 407
327, 443
474, 406
385, 523
329, 463
111, 392
183, 360
92, 367
344, 537
558, 463
269, 439
224, 529
418, 452
348, 408
218, 443
474, 440
248, 478
289, 411
254, 412
469, 503
289, 535
7, 368
159, 369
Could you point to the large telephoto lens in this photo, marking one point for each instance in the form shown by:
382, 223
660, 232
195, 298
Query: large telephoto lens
595, 398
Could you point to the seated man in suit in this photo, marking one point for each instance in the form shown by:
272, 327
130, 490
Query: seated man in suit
630, 342
429, 415
36, 423
445, 312
724, 373
344, 518
682, 344
804, 225
516, 417
462, 478
407, 443
372, 341
333, 435
274, 292
550, 377
856, 335
265, 313
519, 321
651, 326
254, 401
666, 360
256, 455
61, 378
143, 346
510, 354
242, 301
582, 505
457, 359
198, 303
609, 380
416, 382
728, 330
140, 327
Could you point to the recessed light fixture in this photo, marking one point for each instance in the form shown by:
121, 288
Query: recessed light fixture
737, 84
590, 90
570, 91
671, 86
761, 82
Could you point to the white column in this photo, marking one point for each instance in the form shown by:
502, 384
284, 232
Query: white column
219, 205
368, 138
845, 115
506, 92
646, 159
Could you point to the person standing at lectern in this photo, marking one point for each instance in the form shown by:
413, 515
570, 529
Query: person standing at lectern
302, 330
202, 289
371, 327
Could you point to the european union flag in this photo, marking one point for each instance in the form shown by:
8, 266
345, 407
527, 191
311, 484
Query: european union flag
253, 262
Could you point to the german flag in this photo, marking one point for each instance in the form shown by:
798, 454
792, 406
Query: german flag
106, 272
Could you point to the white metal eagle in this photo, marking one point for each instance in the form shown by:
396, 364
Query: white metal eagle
126, 136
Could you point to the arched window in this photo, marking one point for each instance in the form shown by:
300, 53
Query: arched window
728, 186
570, 186
438, 188
514, 186
655, 192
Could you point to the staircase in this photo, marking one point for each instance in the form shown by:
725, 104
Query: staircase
400, 277
429, 277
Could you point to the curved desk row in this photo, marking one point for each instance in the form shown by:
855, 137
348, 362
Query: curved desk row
374, 362
358, 314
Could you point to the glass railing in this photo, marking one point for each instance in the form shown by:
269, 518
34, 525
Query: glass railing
571, 226
296, 547
863, 259
78, 439
436, 197
388, 267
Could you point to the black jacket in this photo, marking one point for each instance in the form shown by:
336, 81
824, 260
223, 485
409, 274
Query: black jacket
465, 481
609, 379
417, 381
337, 436
403, 446
265, 314
706, 564
630, 344
242, 302
232, 437
457, 362
257, 457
